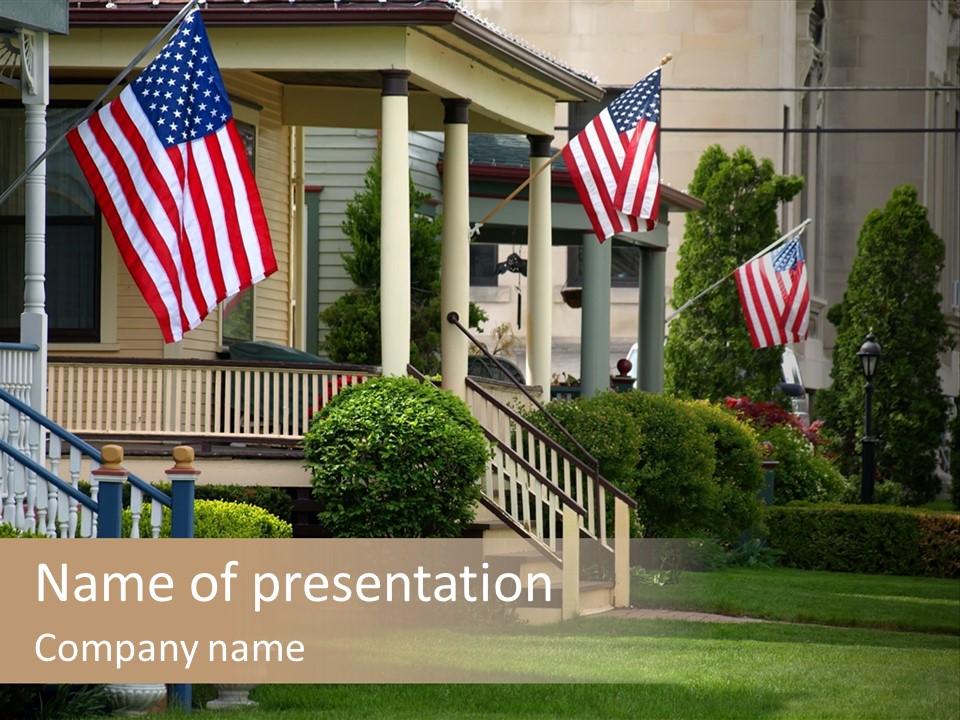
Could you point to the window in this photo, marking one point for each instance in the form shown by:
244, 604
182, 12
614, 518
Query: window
624, 266
483, 265
237, 320
72, 235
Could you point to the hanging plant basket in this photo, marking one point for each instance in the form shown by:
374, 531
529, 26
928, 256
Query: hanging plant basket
572, 296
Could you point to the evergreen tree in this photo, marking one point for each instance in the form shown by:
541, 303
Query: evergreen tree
708, 354
353, 321
893, 291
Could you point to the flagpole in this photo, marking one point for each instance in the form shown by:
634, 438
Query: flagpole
475, 230
88, 111
793, 233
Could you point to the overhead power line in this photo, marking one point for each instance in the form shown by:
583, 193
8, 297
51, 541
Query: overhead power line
814, 88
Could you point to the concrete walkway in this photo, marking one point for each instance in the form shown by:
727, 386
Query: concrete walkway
647, 614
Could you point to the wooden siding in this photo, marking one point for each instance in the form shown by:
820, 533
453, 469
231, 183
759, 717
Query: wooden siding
337, 159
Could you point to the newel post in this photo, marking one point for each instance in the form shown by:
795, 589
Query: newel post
183, 481
110, 477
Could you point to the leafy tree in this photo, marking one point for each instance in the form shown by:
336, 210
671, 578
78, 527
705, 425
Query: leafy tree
353, 321
708, 354
893, 291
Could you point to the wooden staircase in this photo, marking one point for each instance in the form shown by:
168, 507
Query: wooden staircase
543, 508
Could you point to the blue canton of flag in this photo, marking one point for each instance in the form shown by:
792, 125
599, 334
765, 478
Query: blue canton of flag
641, 102
181, 90
787, 256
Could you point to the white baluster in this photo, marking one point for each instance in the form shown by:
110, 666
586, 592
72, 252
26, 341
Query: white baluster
94, 493
32, 434
56, 510
75, 459
11, 509
86, 522
136, 505
156, 518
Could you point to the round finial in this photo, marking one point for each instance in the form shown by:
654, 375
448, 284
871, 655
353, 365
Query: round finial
112, 457
624, 367
183, 457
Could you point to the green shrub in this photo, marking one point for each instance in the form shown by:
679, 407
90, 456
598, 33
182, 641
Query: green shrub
218, 519
8, 531
396, 458
954, 428
653, 447
738, 472
866, 538
274, 500
801, 473
52, 702
674, 485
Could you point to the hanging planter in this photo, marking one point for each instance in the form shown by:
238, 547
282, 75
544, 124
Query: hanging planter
572, 296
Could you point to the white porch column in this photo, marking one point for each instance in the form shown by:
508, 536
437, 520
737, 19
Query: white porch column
35, 92
395, 224
455, 254
539, 267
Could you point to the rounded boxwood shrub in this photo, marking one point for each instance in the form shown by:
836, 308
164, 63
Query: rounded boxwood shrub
801, 473
394, 457
218, 519
738, 473
674, 485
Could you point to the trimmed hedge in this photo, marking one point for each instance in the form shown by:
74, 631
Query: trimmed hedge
874, 539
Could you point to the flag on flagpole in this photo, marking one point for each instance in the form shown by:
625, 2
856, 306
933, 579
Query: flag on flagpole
613, 162
775, 296
170, 173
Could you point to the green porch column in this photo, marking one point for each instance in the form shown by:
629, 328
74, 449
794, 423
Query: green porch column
653, 268
595, 316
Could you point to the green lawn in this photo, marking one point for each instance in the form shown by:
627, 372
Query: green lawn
875, 601
628, 668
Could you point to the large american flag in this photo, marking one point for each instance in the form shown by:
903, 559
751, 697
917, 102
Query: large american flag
775, 296
170, 173
613, 162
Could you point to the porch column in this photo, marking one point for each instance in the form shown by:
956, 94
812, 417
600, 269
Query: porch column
539, 268
653, 266
395, 224
595, 316
35, 93
455, 253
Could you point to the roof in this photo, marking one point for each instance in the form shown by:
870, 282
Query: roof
447, 13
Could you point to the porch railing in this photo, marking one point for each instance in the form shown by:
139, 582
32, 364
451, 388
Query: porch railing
250, 401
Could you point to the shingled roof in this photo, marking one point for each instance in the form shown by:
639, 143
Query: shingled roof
306, 12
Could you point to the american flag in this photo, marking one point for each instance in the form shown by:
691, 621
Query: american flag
613, 162
775, 296
170, 173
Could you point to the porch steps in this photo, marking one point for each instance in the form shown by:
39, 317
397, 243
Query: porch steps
508, 551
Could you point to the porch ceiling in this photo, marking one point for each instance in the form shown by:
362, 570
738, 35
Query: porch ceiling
328, 61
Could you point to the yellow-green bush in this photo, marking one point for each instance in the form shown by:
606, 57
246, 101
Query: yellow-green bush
219, 519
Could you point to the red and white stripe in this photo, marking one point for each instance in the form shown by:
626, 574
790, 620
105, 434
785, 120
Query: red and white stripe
188, 220
776, 305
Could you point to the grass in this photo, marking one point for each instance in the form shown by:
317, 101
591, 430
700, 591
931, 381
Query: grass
627, 668
874, 601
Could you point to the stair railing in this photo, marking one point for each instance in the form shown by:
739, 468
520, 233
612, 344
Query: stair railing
36, 498
577, 478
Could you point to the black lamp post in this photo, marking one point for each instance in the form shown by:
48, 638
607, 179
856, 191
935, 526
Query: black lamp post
869, 353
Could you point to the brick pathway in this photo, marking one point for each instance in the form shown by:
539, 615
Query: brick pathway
678, 615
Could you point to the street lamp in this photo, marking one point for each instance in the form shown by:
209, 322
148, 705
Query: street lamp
869, 354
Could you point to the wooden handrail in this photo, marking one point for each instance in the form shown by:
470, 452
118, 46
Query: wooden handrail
541, 478
226, 364
551, 443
